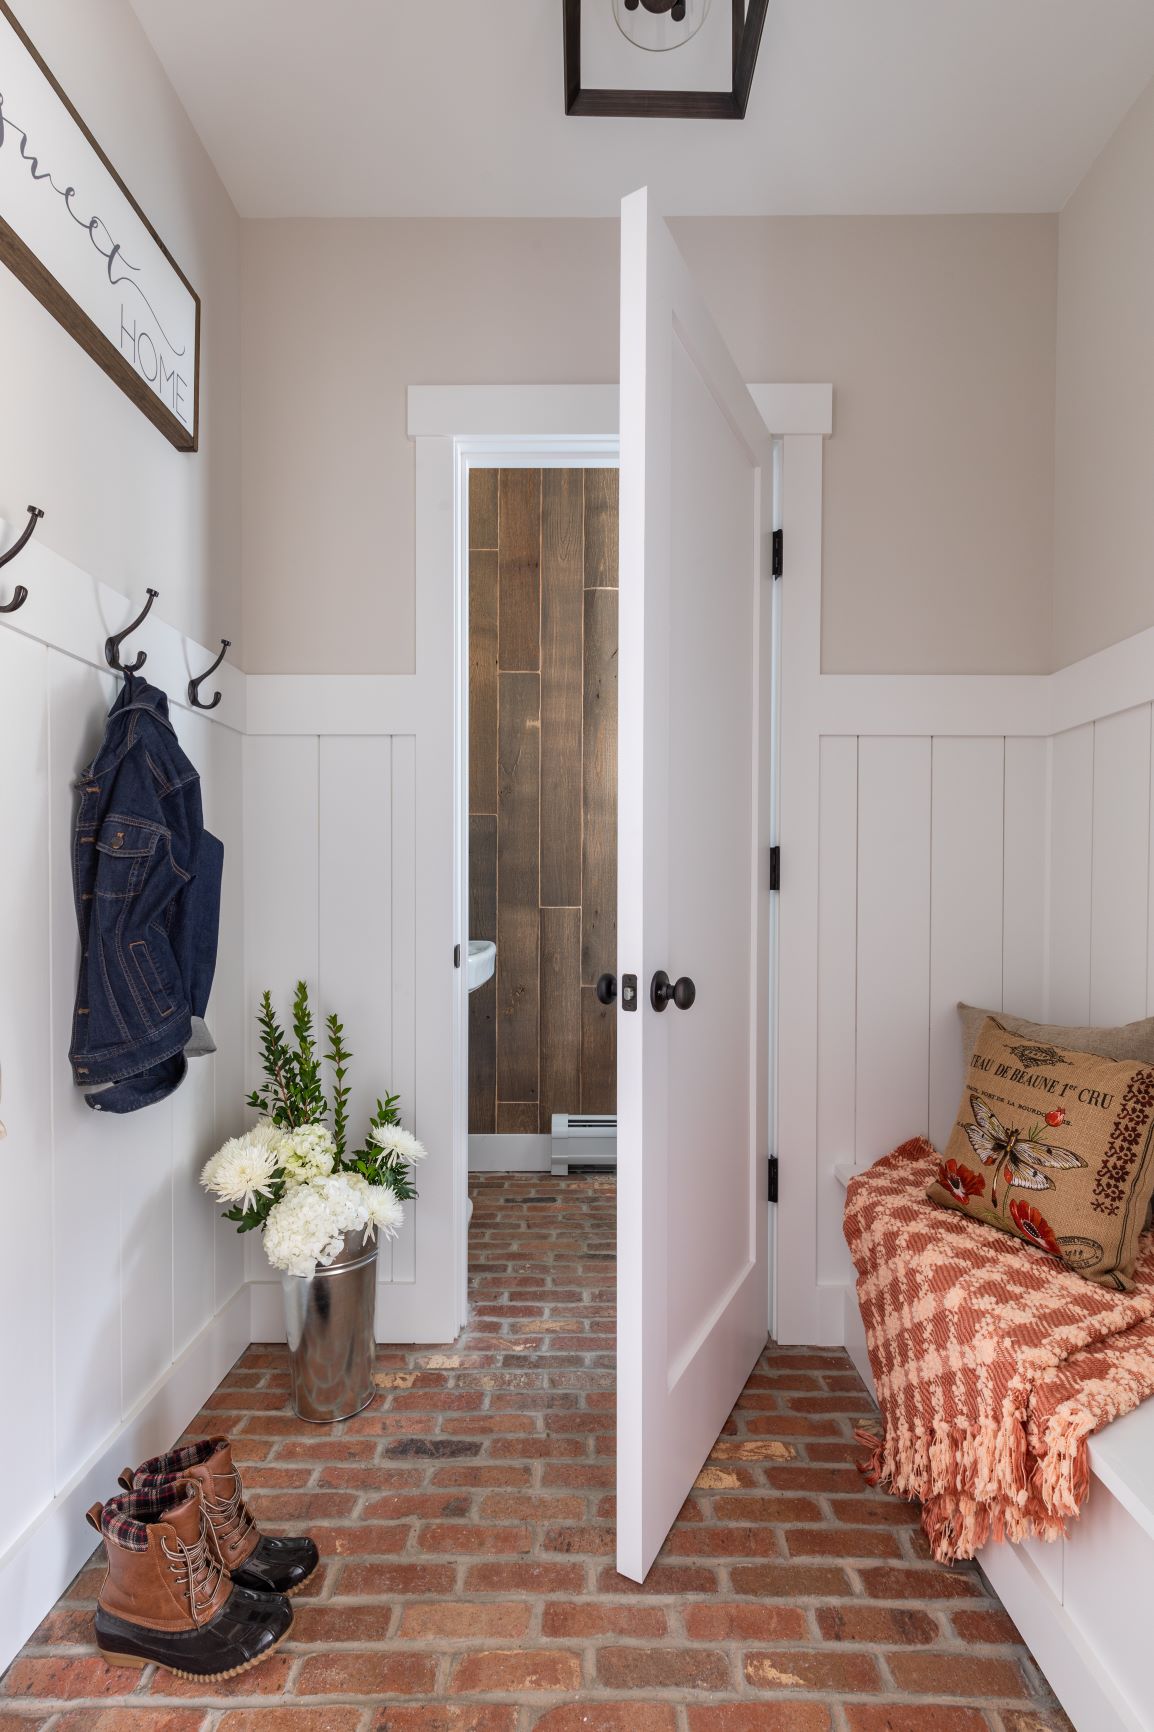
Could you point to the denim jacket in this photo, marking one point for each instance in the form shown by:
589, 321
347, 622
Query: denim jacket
147, 877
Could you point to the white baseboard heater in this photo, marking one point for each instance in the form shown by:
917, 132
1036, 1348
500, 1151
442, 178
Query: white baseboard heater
583, 1140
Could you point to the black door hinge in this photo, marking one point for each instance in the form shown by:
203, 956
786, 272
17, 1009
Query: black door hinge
773, 1178
456, 956
775, 868
778, 553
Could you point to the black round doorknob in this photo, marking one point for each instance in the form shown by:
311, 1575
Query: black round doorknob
662, 991
607, 988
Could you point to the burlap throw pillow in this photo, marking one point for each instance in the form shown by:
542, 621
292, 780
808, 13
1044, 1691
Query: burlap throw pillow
1128, 1040
1057, 1147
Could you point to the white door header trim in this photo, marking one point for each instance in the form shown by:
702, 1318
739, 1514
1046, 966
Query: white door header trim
529, 411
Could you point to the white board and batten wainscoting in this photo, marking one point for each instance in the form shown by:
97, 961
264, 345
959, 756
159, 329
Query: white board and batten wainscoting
133, 1298
986, 838
123, 1295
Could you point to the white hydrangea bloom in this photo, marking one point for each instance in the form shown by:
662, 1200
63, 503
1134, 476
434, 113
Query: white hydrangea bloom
241, 1171
396, 1140
308, 1152
301, 1231
346, 1196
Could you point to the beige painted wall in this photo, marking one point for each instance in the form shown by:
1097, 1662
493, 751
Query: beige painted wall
118, 499
339, 318
1104, 492
937, 333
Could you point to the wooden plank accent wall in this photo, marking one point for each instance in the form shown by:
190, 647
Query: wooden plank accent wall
542, 792
599, 780
483, 1002
519, 562
518, 886
562, 603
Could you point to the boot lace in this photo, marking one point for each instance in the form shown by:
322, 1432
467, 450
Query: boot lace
199, 1570
231, 1516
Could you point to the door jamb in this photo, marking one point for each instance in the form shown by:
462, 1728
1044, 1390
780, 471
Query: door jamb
527, 425
488, 451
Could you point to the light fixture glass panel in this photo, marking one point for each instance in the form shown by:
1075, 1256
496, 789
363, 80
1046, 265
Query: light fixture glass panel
660, 24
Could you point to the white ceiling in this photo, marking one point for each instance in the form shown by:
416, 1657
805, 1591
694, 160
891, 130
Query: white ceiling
454, 107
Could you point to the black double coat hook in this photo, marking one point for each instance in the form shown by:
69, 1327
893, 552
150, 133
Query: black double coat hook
112, 644
195, 685
21, 594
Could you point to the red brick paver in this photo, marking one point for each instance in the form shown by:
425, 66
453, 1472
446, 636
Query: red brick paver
466, 1521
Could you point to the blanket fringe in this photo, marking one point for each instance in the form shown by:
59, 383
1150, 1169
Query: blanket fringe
871, 1467
980, 1482
1062, 1478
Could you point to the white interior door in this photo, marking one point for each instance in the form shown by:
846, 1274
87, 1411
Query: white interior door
693, 1303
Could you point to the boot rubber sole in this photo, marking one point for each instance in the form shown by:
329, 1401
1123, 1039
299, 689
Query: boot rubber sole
291, 1593
138, 1663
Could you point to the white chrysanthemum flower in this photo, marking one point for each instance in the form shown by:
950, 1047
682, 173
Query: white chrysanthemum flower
301, 1231
241, 1171
385, 1212
264, 1135
396, 1140
308, 1152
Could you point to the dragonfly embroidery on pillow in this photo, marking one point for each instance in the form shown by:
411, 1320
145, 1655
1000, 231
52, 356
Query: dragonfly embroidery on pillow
1017, 1157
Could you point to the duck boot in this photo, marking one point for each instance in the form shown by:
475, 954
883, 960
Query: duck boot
168, 1598
253, 1559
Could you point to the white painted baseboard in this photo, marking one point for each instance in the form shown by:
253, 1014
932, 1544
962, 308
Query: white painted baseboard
266, 1311
37, 1568
523, 1153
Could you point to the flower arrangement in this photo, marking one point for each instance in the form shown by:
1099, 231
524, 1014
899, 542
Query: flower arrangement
293, 1175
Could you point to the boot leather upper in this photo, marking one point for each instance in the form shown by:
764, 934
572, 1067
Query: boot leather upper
178, 1583
237, 1535
255, 1560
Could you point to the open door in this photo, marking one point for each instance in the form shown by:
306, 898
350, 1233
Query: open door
693, 1300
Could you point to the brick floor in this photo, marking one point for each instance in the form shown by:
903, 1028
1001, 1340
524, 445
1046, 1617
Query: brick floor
466, 1521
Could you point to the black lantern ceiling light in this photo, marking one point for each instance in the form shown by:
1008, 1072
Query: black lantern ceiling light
660, 26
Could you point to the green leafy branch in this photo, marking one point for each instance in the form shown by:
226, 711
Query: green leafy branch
339, 1056
292, 1095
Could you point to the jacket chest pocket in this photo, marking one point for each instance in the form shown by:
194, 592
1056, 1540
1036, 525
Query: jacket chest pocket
124, 851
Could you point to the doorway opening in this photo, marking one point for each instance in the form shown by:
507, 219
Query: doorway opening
539, 768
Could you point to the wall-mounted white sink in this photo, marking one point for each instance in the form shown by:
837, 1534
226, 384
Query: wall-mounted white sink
481, 962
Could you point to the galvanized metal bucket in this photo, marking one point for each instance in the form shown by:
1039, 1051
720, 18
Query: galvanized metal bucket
329, 1318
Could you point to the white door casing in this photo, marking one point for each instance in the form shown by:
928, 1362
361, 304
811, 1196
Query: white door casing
696, 467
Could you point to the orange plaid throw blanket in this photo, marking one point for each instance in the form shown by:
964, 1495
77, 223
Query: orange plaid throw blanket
993, 1365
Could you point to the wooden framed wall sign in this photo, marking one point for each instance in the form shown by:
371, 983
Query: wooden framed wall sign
73, 233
